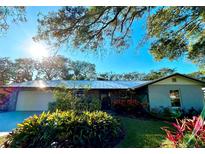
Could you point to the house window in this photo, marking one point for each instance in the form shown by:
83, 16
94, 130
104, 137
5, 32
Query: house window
79, 93
175, 98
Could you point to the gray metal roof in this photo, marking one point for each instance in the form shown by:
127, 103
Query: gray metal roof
79, 84
93, 84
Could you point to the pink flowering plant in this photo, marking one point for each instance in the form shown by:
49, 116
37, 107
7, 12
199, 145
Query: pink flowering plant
188, 133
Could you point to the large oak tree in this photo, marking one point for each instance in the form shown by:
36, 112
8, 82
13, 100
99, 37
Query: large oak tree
50, 68
9, 15
173, 31
23, 70
83, 70
6, 70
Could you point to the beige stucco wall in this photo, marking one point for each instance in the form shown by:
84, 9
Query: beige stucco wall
33, 100
179, 81
190, 95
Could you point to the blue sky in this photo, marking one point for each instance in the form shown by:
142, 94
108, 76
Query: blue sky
15, 44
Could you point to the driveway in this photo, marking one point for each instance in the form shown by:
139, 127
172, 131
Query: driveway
9, 120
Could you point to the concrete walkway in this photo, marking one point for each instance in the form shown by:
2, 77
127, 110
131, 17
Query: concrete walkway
9, 120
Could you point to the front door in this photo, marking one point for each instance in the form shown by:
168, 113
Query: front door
105, 100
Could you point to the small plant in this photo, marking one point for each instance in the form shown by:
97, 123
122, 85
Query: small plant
66, 129
176, 113
187, 133
166, 112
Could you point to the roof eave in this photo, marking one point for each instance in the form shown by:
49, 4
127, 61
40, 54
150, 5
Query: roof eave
163, 78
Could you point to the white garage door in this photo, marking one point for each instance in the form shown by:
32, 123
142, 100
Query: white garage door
33, 100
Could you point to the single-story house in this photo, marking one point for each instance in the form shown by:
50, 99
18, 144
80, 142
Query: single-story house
173, 91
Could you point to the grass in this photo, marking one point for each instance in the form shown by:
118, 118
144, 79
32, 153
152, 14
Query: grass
142, 133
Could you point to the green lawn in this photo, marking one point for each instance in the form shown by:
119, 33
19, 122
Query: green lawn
142, 133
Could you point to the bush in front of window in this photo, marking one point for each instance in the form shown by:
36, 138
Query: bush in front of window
192, 112
67, 130
173, 113
166, 113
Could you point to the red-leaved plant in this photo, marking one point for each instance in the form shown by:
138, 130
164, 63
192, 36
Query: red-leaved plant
187, 133
129, 106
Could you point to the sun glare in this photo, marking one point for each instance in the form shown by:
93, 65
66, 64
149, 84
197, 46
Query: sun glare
38, 50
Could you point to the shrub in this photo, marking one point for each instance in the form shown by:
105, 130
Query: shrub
173, 112
52, 106
67, 100
166, 113
129, 106
169, 113
192, 112
66, 129
187, 133
64, 100
88, 103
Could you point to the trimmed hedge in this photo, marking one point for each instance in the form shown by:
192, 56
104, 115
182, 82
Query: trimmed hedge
67, 129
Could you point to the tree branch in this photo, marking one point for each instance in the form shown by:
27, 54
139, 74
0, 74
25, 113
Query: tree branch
125, 18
